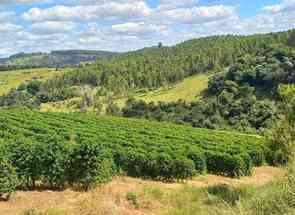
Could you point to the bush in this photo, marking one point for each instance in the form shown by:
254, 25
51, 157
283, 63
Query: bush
228, 165
225, 193
54, 157
8, 179
81, 149
198, 157
90, 165
182, 168
27, 160
132, 197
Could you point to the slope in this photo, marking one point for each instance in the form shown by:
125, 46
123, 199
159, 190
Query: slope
12, 79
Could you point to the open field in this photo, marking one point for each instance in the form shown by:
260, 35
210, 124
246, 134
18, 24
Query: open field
190, 89
12, 79
111, 198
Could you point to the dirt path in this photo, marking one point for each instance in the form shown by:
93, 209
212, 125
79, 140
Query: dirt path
112, 195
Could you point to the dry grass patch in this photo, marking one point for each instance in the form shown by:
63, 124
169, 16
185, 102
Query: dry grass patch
131, 196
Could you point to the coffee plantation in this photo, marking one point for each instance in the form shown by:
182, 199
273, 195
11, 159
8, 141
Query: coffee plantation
82, 150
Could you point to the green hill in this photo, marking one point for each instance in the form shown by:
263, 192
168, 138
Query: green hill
53, 59
160, 66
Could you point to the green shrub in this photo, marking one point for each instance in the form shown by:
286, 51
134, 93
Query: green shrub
27, 160
183, 168
226, 164
198, 157
54, 157
132, 197
81, 149
8, 179
225, 193
90, 165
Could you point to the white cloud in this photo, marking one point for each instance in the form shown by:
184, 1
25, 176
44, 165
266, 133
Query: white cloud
111, 10
139, 29
197, 14
52, 27
172, 4
6, 28
285, 6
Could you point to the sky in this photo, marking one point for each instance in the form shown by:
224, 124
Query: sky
123, 25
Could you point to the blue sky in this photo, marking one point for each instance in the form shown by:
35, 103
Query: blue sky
121, 25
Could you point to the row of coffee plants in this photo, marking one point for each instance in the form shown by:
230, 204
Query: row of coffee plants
57, 149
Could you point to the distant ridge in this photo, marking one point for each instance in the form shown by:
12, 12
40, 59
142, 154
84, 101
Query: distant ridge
58, 58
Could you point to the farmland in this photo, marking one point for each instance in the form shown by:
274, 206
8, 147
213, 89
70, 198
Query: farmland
139, 148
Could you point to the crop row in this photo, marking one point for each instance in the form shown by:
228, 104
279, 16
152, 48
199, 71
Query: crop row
137, 147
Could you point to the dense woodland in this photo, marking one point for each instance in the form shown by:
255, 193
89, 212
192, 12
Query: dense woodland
245, 97
159, 66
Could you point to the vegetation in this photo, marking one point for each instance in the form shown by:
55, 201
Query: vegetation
272, 198
8, 178
245, 98
158, 66
82, 150
12, 79
53, 59
188, 90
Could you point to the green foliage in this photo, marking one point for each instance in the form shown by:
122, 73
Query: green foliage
132, 197
228, 165
282, 139
8, 178
244, 98
81, 149
276, 198
90, 165
225, 192
159, 66
47, 212
55, 59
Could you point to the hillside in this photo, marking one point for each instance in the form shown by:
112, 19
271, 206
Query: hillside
190, 89
12, 79
53, 59
160, 66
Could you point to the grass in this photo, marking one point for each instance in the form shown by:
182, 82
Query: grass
190, 89
125, 195
67, 106
12, 79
